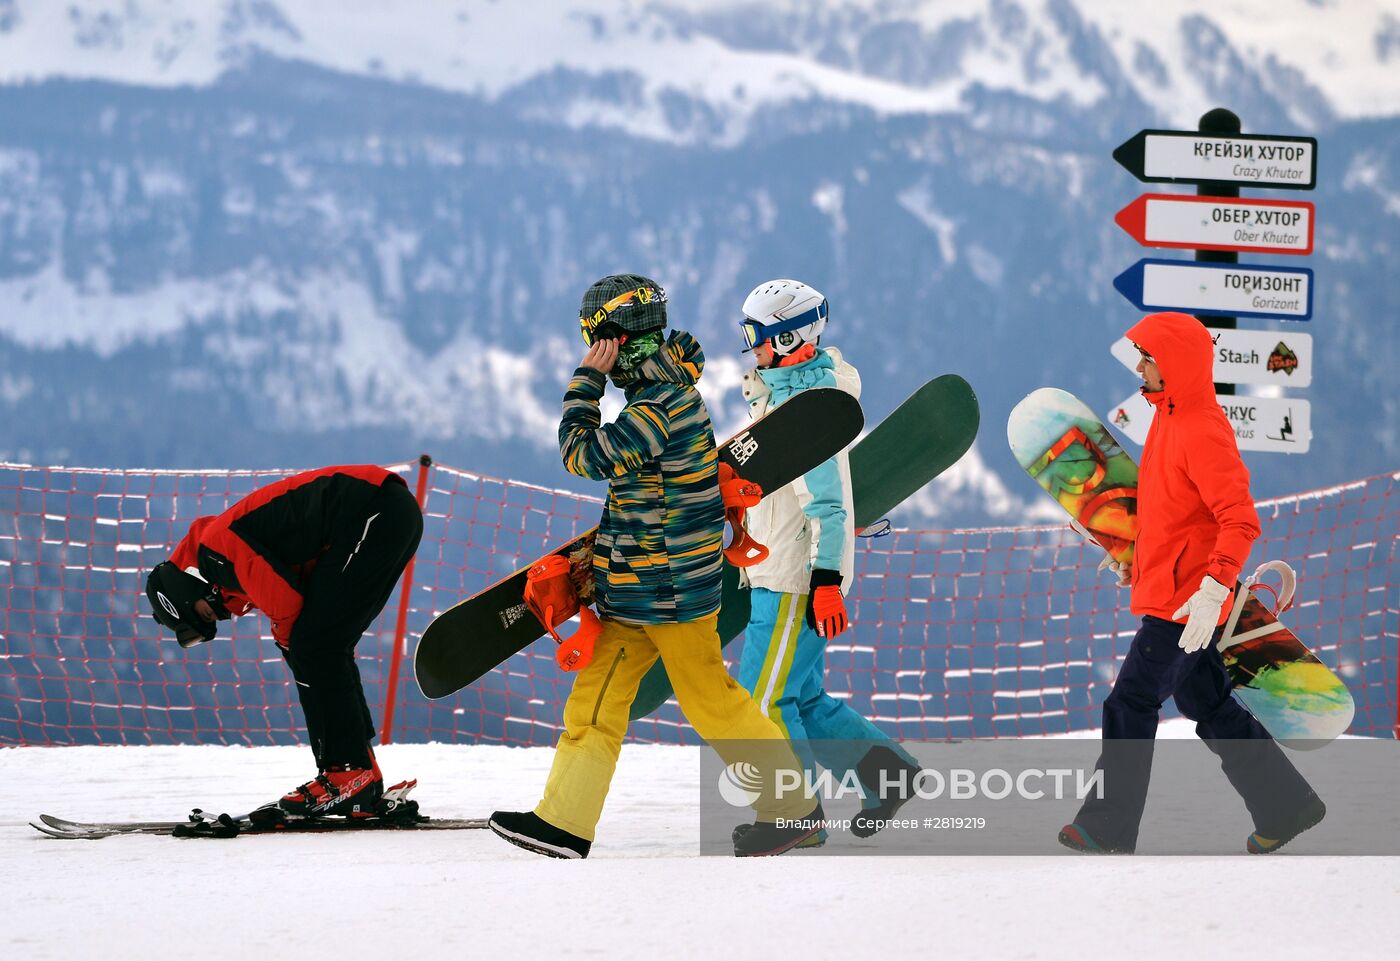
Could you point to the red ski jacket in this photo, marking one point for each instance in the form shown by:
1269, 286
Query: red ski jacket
260, 551
1195, 512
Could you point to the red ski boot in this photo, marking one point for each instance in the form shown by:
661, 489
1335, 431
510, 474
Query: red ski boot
354, 792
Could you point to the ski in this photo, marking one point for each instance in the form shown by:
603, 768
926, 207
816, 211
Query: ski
230, 826
55, 827
395, 812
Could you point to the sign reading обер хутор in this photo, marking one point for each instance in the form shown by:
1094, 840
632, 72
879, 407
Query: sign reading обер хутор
1219, 223
1226, 290
1278, 424
1256, 160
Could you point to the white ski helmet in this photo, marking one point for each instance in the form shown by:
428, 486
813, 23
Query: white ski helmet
787, 313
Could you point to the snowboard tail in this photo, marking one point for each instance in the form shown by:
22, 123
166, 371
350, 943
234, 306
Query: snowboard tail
475, 636
1283, 684
1065, 449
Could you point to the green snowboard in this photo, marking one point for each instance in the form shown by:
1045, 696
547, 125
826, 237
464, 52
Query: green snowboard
922, 438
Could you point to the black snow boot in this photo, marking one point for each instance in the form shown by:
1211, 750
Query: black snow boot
526, 829
815, 841
765, 837
881, 764
1308, 815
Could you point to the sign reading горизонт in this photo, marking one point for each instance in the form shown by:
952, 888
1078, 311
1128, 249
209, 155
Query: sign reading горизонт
1228, 290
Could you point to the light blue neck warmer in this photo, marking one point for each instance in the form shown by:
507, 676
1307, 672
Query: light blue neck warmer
820, 371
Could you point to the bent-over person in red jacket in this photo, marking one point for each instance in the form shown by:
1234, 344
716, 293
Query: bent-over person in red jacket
319, 553
1196, 524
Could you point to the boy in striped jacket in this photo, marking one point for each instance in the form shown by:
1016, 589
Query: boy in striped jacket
657, 563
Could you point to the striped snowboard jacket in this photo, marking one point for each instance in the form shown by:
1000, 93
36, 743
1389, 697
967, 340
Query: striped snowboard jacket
658, 556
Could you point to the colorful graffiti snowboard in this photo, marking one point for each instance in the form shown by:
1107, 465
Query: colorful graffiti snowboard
1064, 447
1293, 694
475, 636
921, 439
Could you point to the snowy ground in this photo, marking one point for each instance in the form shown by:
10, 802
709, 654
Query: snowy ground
643, 894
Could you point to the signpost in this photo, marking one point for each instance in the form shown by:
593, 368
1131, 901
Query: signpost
1216, 224
1230, 290
1252, 160
1249, 357
1219, 223
1278, 424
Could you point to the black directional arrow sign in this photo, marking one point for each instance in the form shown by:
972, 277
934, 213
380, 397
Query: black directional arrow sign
1187, 157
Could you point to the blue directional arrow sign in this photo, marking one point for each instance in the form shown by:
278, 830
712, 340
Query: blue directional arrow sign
1227, 290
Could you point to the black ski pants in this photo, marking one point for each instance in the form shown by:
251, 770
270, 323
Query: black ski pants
346, 591
1157, 668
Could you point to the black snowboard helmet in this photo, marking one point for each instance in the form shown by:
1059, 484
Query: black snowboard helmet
173, 593
621, 304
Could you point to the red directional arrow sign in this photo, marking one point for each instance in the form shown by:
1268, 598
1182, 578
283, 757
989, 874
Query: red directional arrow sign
1219, 223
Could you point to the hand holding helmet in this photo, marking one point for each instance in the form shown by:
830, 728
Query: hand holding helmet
175, 598
628, 313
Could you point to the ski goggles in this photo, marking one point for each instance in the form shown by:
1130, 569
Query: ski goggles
592, 324
1145, 354
756, 333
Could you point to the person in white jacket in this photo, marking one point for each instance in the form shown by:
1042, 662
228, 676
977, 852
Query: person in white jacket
798, 591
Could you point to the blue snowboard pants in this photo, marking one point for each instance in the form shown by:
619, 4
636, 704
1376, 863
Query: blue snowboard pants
784, 666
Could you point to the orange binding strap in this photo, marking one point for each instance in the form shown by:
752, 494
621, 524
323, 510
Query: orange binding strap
551, 596
739, 495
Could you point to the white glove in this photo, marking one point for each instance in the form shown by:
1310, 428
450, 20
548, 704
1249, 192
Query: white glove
1201, 611
1124, 571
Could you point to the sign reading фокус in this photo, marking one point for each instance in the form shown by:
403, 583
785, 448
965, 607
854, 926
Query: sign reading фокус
1256, 160
1282, 425
1219, 223
1226, 290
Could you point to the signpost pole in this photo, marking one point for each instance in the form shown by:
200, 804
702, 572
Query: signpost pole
1219, 121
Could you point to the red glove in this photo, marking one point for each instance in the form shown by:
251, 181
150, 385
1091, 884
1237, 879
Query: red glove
826, 608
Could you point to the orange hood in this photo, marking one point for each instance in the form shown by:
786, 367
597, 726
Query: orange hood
1185, 354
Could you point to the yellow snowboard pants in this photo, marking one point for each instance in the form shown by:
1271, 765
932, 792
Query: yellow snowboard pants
720, 710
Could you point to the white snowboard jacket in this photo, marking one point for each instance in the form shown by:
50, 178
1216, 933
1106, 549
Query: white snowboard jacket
810, 523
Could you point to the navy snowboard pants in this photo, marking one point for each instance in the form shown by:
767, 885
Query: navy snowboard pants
1157, 668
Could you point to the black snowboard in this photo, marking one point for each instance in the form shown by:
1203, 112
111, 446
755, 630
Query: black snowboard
474, 637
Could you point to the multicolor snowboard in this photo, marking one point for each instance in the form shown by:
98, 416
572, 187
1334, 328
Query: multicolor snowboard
1064, 447
1293, 694
921, 439
475, 636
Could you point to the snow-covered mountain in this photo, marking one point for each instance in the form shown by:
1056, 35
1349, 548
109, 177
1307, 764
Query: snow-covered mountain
254, 232
629, 65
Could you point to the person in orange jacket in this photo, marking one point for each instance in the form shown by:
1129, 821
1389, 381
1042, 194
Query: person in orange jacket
1196, 524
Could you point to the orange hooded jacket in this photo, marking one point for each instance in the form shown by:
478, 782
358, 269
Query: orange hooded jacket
1195, 512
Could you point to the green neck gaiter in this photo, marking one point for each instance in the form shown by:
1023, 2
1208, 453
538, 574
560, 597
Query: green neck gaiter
638, 349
